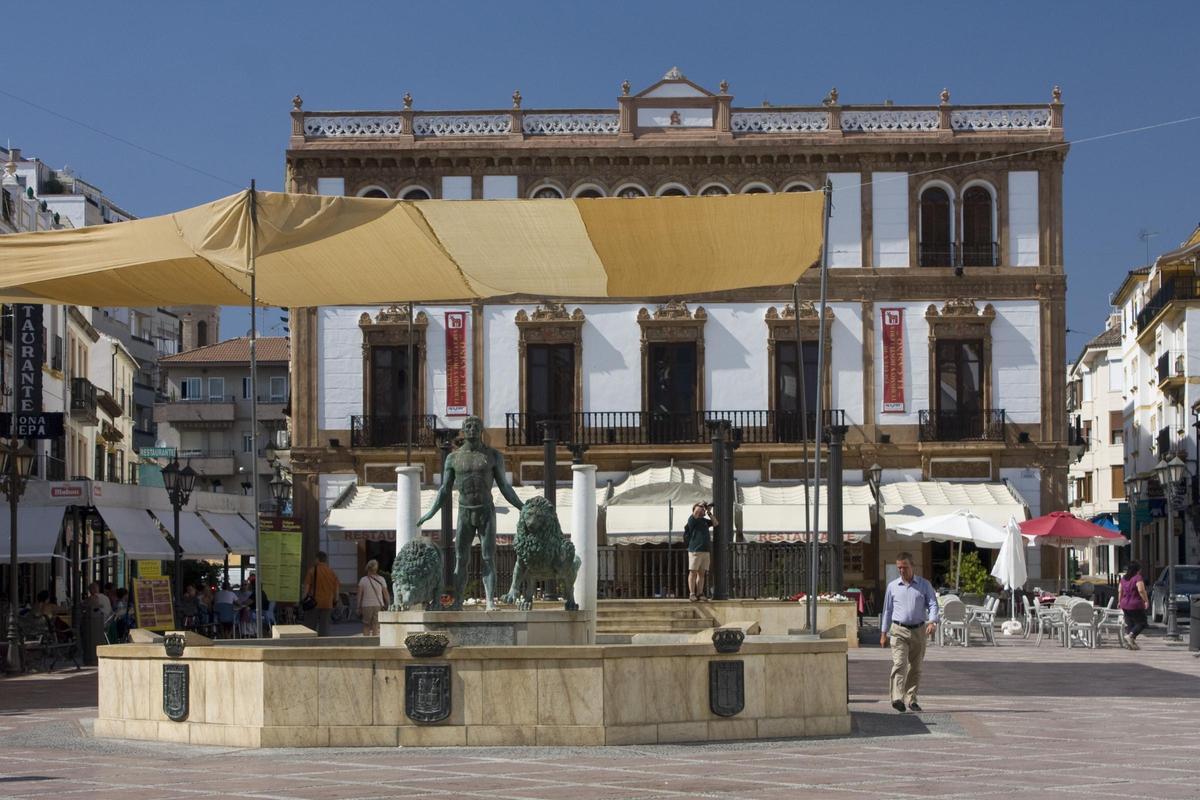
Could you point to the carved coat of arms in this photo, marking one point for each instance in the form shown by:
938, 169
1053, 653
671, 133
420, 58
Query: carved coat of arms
676, 119
427, 692
175, 691
726, 687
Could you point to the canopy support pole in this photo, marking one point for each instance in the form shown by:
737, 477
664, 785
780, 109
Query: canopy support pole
802, 396
814, 563
258, 604
412, 387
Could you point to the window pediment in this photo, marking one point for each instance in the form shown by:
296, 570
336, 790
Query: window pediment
672, 321
551, 323
960, 318
390, 327
782, 324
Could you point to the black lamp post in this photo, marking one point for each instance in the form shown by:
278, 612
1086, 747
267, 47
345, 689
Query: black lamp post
281, 491
1170, 475
179, 484
14, 470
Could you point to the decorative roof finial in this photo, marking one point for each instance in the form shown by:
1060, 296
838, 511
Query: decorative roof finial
407, 99
10, 168
724, 87
945, 96
673, 74
297, 103
517, 98
831, 99
1056, 93
625, 87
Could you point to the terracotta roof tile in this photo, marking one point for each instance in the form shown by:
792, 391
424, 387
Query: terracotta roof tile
234, 351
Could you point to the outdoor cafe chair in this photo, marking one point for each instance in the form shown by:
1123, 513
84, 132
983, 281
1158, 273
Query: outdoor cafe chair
1031, 617
1080, 621
1049, 621
985, 618
1108, 620
954, 622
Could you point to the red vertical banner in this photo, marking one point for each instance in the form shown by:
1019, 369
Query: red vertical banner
893, 360
456, 363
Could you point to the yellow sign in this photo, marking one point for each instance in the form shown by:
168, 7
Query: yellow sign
153, 604
149, 569
279, 549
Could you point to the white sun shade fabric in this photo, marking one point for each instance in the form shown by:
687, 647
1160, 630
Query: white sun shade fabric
137, 532
236, 532
908, 501
38, 529
369, 512
775, 512
198, 541
653, 502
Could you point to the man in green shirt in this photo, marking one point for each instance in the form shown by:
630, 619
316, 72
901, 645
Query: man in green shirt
697, 538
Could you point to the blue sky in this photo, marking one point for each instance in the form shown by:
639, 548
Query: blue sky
210, 84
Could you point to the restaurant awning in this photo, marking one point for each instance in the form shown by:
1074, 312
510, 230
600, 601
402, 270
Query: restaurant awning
775, 513
653, 500
38, 531
197, 541
431, 251
907, 501
369, 512
137, 532
236, 531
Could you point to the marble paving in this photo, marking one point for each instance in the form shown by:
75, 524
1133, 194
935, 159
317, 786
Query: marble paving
999, 722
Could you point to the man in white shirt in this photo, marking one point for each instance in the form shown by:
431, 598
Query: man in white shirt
910, 615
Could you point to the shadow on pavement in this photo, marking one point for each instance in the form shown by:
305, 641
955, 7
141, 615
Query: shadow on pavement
33, 691
1023, 678
870, 723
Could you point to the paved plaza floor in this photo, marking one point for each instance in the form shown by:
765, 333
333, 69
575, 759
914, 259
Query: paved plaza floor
1006, 721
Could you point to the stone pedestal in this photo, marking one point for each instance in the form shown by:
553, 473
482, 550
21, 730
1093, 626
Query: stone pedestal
491, 628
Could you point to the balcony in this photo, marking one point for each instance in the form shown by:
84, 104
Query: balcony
1171, 368
626, 428
1178, 288
388, 431
986, 425
109, 404
196, 413
979, 254
210, 463
936, 255
83, 401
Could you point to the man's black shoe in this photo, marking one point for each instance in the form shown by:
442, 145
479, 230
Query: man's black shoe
914, 707
898, 705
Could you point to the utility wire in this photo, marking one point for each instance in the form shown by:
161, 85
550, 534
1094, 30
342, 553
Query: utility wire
123, 141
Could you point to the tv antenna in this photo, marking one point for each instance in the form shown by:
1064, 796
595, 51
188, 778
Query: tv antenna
1146, 235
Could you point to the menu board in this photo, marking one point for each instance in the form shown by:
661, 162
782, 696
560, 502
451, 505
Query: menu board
152, 604
279, 548
149, 569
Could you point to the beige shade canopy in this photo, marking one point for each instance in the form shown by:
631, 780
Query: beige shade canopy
315, 250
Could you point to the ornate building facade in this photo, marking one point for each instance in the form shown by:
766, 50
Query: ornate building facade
945, 331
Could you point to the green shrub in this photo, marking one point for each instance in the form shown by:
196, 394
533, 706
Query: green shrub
974, 577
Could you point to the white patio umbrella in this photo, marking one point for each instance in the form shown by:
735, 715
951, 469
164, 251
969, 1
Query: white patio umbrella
961, 526
1009, 568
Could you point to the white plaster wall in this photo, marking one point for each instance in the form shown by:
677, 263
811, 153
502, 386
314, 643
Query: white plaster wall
612, 353
456, 187
331, 186
735, 356
435, 361
889, 215
846, 370
499, 187
501, 367
845, 221
343, 555
674, 90
1015, 371
1023, 225
688, 117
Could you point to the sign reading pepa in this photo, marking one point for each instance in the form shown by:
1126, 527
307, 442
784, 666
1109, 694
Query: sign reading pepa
43, 425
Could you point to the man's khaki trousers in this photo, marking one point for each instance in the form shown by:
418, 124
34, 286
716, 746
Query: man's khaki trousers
908, 651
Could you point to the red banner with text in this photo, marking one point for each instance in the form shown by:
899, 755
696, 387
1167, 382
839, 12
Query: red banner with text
893, 360
456, 363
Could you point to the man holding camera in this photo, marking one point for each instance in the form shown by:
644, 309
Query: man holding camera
697, 538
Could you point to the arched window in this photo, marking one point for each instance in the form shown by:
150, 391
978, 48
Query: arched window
714, 189
415, 193
373, 191
547, 193
978, 228
201, 333
631, 190
588, 190
936, 247
756, 188
672, 190
798, 187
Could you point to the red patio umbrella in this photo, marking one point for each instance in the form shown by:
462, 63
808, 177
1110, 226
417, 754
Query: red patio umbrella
1060, 529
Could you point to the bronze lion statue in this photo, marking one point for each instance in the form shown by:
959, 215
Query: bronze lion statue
543, 553
417, 577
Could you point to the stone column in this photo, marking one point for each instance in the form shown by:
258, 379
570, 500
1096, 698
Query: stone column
408, 504
583, 534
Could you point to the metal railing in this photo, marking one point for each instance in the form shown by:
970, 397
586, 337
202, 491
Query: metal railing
760, 570
1168, 444
979, 254
599, 428
936, 255
387, 431
957, 426
1178, 288
1170, 365
83, 398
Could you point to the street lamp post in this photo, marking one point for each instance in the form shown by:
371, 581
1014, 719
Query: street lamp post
179, 484
1170, 473
281, 491
15, 466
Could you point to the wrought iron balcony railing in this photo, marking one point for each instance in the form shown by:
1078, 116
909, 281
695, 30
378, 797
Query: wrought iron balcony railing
979, 254
1179, 288
959, 425
936, 255
599, 428
367, 430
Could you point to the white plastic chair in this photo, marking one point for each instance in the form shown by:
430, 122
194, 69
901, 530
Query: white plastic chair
1031, 617
1110, 619
1080, 620
1049, 620
954, 622
985, 618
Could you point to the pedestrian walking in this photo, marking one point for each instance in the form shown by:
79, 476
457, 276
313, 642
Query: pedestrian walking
372, 598
1133, 603
322, 585
910, 615
697, 539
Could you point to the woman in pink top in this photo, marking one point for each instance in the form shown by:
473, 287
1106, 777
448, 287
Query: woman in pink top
1133, 603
